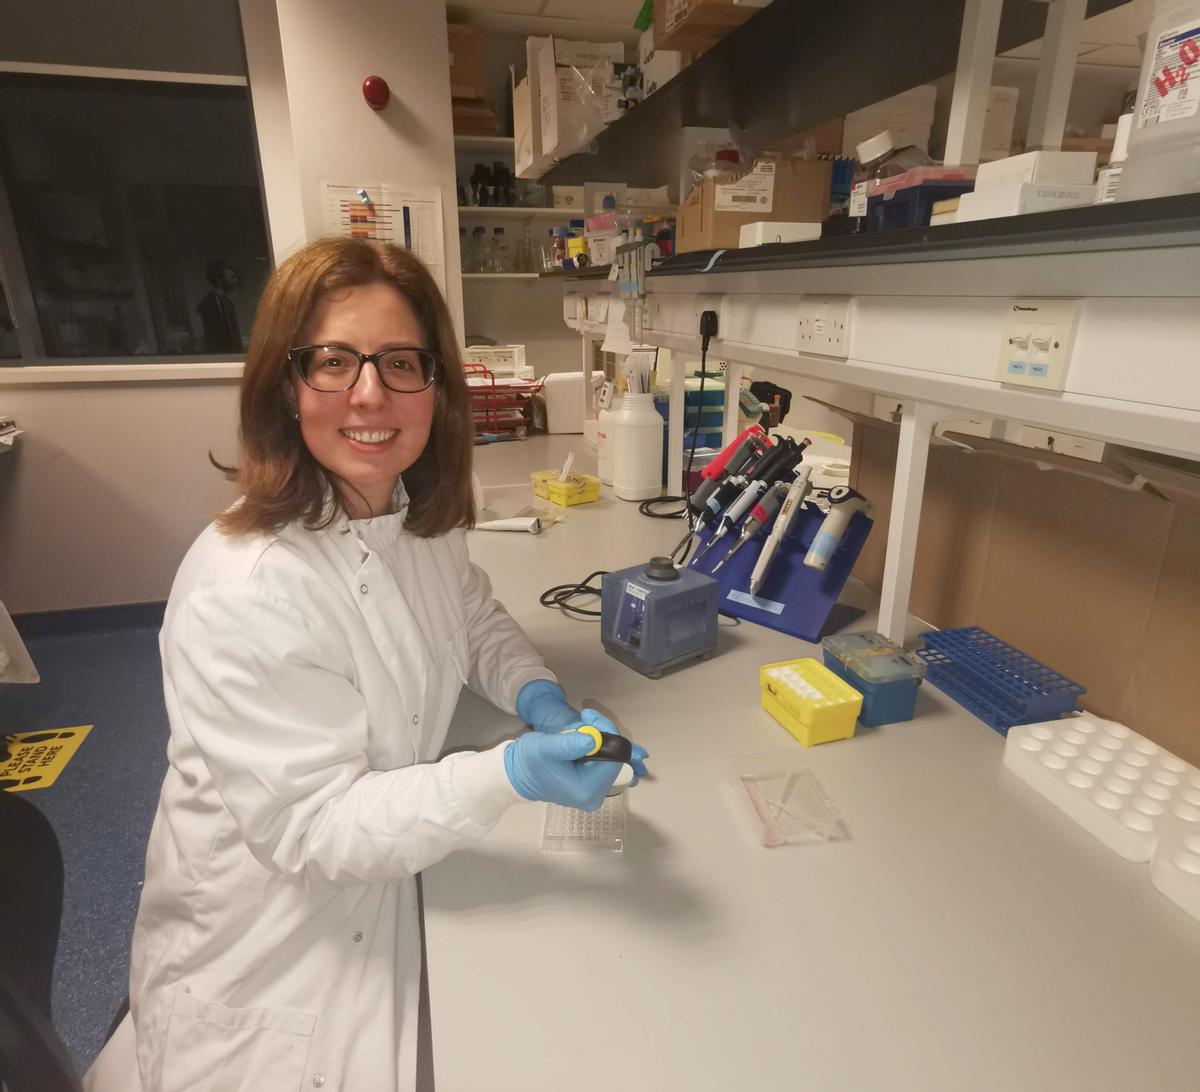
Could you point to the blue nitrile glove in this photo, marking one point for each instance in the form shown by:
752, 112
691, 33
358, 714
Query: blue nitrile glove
543, 705
544, 766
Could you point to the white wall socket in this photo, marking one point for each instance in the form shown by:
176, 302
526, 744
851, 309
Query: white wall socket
824, 325
1037, 341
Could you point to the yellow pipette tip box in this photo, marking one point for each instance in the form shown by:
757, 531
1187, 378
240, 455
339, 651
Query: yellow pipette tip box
809, 700
576, 488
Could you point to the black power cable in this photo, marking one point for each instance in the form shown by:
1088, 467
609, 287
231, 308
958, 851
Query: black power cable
560, 595
708, 330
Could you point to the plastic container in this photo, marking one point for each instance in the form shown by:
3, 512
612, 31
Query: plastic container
604, 447
576, 489
786, 802
880, 158
1000, 684
637, 442
885, 674
809, 700
1109, 178
1164, 145
1126, 790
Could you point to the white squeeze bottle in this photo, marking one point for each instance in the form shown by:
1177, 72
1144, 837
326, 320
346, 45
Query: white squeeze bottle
604, 424
636, 438
1164, 145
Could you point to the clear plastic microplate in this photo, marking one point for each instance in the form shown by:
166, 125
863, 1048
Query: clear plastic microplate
600, 831
786, 801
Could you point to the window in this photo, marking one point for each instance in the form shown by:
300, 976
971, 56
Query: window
138, 215
8, 329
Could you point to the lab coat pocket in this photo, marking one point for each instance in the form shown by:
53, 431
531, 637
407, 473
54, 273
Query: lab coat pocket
210, 1047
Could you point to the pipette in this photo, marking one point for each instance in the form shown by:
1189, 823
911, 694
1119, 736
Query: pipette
774, 467
760, 515
727, 489
730, 462
799, 489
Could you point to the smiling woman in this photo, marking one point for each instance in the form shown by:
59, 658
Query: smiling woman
353, 383
314, 646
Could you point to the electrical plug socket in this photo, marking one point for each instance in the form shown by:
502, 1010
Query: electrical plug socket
824, 325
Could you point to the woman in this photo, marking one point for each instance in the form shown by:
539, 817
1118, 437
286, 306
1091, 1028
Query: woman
314, 646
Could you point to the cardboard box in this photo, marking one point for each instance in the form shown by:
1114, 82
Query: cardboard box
998, 124
695, 25
1043, 168
1021, 199
468, 62
575, 99
827, 138
793, 190
1099, 582
528, 160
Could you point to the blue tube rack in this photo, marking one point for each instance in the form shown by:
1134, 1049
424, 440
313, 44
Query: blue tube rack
1000, 684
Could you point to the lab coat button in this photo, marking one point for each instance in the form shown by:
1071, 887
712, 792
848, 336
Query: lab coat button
416, 718
362, 588
318, 1081
357, 936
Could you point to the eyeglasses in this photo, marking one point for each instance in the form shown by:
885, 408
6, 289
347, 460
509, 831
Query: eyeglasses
334, 368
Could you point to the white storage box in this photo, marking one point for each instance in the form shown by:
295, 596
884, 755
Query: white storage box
765, 232
1043, 168
563, 393
528, 161
663, 67
498, 359
1018, 200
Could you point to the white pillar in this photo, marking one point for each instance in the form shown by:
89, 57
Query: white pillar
1056, 73
675, 448
321, 52
916, 424
972, 80
733, 391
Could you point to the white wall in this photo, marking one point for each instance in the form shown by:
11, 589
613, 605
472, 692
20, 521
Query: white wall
102, 496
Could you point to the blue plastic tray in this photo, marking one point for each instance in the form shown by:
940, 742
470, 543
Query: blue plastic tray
1000, 684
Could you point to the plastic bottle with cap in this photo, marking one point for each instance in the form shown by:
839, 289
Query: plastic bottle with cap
1108, 178
879, 158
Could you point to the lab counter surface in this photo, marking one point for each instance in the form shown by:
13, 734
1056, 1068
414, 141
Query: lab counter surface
964, 936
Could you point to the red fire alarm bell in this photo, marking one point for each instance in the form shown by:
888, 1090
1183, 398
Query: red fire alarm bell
375, 91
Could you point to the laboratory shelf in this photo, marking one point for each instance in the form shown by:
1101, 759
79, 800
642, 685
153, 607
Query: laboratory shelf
500, 144
1159, 222
516, 212
501, 276
790, 67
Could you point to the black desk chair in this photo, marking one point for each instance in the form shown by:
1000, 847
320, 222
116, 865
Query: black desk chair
32, 1056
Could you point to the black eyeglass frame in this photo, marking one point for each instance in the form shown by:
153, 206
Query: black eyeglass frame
435, 370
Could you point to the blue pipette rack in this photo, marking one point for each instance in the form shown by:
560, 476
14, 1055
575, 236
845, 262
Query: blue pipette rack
1000, 684
794, 598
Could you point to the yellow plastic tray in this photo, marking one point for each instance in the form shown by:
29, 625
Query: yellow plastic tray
577, 489
810, 701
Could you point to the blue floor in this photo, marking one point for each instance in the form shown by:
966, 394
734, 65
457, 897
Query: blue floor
109, 675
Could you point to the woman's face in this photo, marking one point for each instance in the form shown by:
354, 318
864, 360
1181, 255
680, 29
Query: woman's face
368, 435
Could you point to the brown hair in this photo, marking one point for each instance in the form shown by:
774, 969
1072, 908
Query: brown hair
281, 479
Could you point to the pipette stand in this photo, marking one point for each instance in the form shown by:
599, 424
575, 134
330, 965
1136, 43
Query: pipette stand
794, 599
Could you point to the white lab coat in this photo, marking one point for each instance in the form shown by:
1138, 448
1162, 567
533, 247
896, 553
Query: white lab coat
310, 677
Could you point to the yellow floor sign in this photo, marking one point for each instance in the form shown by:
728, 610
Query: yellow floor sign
37, 758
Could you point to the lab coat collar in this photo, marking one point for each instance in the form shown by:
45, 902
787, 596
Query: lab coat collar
380, 530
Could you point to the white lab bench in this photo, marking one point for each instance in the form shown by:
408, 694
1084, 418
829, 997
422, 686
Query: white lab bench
965, 935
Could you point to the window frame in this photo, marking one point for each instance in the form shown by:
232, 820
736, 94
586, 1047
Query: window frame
35, 367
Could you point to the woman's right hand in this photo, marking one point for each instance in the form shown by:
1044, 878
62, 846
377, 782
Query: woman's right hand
546, 767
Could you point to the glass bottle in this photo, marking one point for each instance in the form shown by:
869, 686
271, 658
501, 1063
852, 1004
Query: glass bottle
501, 262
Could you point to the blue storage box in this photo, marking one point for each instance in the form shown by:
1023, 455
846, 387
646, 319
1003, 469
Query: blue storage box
885, 674
910, 207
